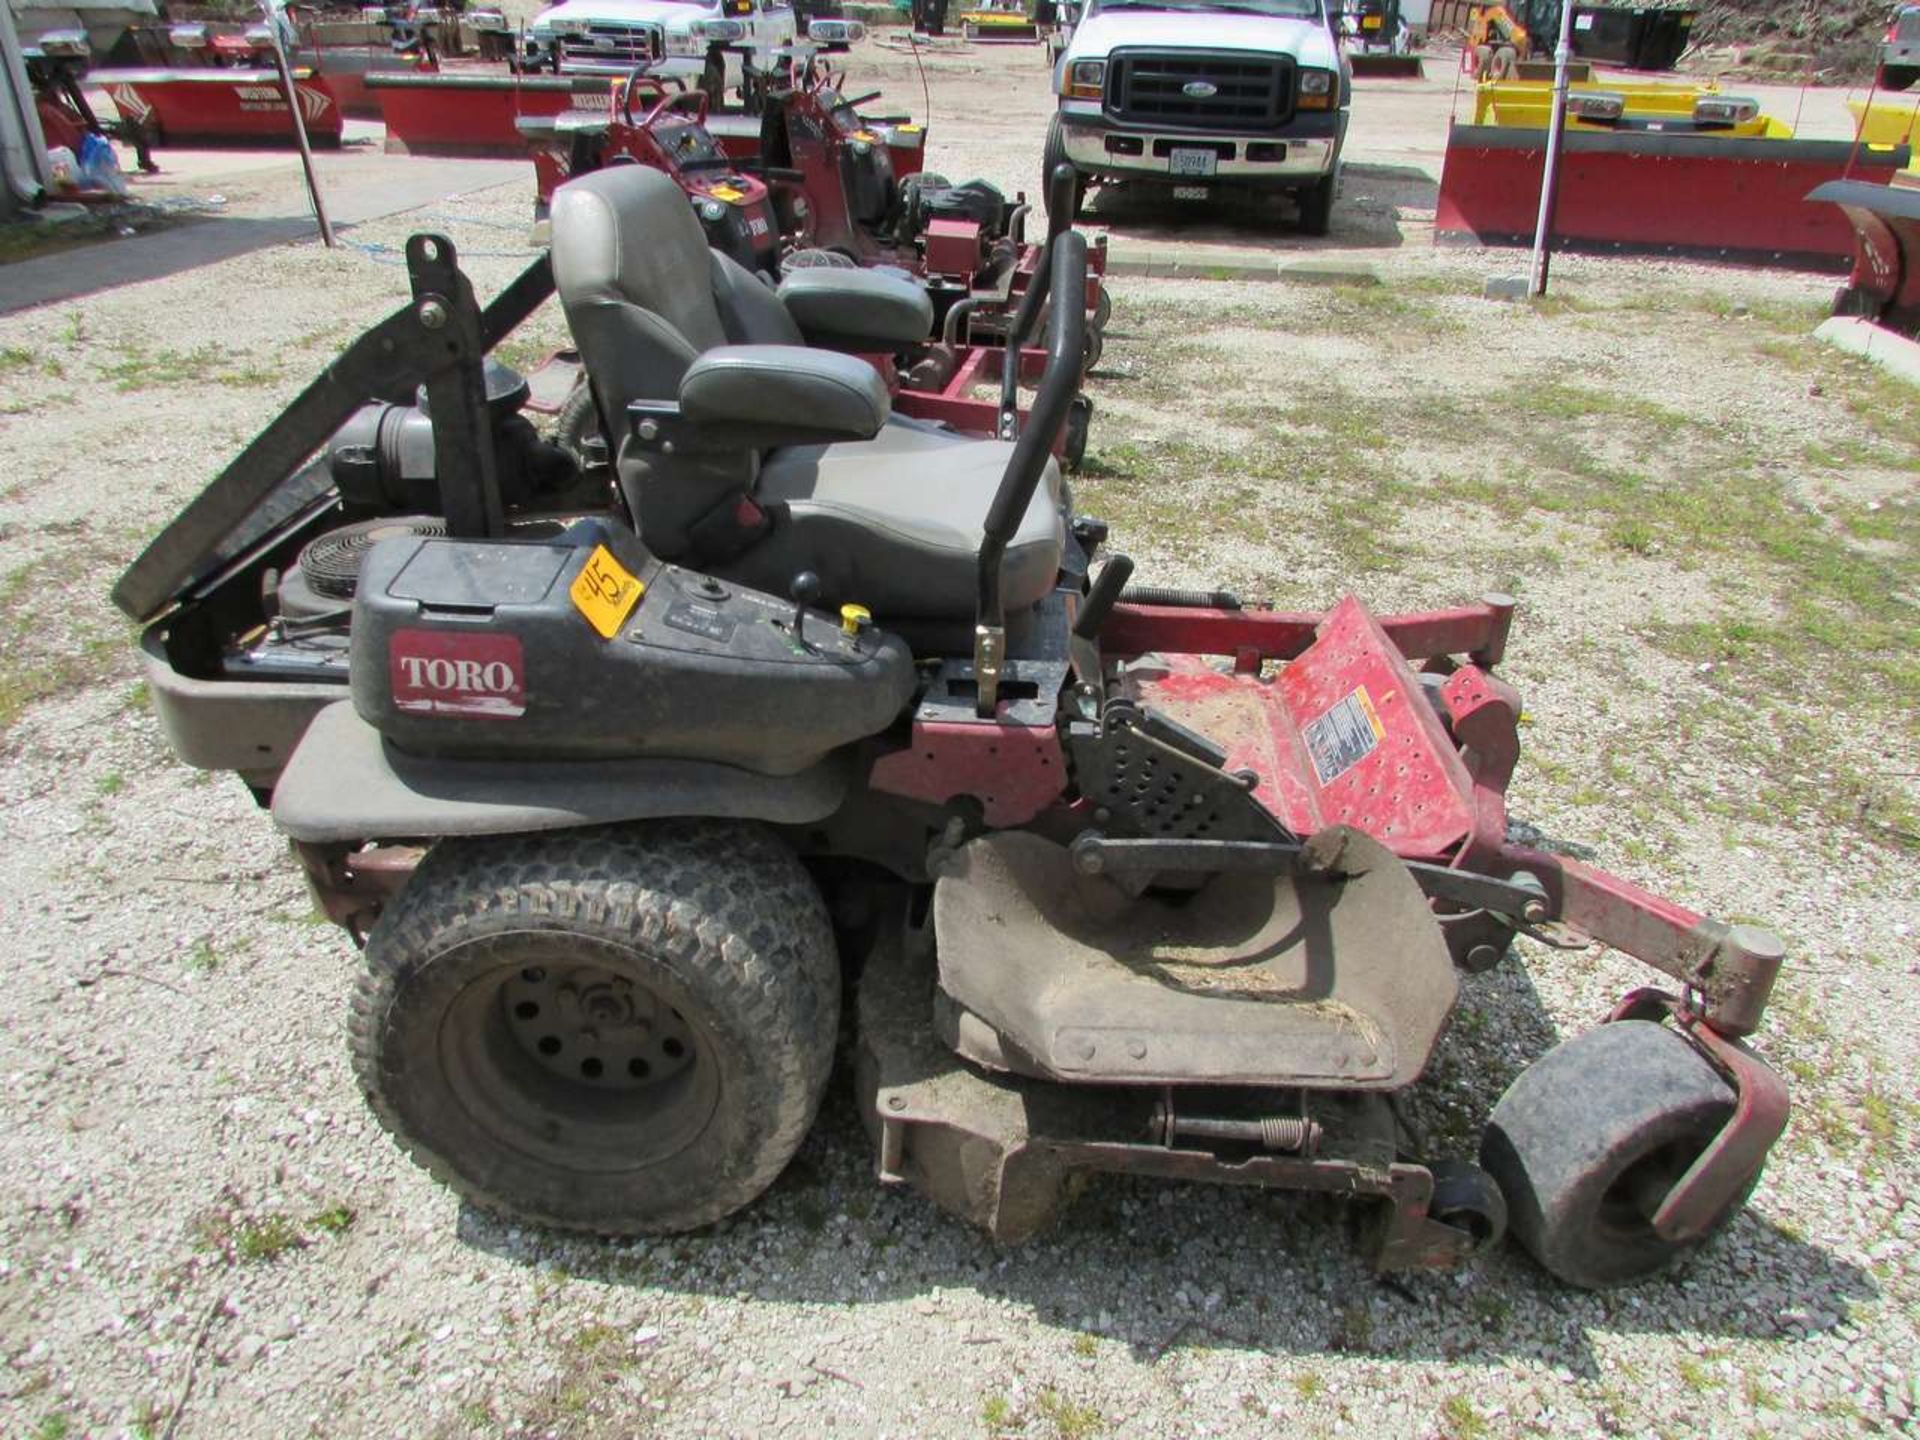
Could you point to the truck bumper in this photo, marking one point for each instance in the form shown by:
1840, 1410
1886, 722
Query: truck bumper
1307, 149
684, 67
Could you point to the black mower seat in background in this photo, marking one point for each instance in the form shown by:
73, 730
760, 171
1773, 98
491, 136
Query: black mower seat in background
893, 522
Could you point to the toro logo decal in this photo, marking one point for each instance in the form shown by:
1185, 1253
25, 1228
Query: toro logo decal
434, 672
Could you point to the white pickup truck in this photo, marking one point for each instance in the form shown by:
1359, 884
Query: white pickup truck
1202, 96
708, 43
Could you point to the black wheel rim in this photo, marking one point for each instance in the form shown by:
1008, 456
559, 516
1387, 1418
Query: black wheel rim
579, 1053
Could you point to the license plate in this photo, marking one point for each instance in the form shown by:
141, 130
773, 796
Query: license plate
1189, 192
1192, 162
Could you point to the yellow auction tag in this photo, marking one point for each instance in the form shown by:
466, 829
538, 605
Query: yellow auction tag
728, 194
605, 593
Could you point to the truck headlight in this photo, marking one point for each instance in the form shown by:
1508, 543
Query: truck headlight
557, 27
825, 31
723, 30
1316, 90
1085, 80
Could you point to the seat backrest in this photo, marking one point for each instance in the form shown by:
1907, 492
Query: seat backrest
645, 297
632, 268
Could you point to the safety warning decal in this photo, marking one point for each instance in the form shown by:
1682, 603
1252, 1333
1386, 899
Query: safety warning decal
1344, 736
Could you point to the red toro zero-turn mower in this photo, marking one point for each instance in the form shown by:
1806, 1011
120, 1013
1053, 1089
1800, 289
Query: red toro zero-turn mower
622, 778
759, 214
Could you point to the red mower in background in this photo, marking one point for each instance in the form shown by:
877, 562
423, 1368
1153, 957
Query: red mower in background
813, 184
668, 133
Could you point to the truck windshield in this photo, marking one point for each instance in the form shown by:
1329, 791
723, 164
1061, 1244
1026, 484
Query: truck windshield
1284, 9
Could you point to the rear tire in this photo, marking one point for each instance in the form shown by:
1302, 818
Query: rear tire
1591, 1136
1316, 206
1052, 158
611, 1030
1898, 77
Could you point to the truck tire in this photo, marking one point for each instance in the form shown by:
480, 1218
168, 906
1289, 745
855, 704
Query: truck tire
1052, 158
1592, 1133
1898, 77
1316, 206
615, 1030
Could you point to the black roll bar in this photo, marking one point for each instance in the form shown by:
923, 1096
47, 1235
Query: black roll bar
1066, 353
1027, 318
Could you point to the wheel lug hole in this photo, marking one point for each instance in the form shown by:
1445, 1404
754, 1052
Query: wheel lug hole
549, 1045
526, 1010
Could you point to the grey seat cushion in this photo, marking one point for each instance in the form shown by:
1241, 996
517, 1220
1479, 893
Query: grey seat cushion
895, 523
788, 387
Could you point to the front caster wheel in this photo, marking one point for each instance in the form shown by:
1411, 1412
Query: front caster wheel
1589, 1140
1466, 1197
611, 1030
1073, 443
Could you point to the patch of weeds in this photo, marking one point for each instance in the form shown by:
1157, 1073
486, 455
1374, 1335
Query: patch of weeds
1461, 1421
1492, 1309
1309, 1385
41, 660
1085, 1346
1069, 1419
1696, 1375
112, 783
336, 1219
56, 1426
267, 1238
18, 360
139, 368
203, 959
1353, 1330
999, 1416
1631, 534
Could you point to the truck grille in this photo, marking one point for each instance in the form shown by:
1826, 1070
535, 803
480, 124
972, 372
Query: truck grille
612, 44
1249, 92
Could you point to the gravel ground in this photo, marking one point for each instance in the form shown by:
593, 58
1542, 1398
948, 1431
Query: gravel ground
203, 1233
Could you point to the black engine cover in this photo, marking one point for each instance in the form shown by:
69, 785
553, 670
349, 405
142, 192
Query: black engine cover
477, 648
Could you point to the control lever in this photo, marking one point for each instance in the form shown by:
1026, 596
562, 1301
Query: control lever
803, 590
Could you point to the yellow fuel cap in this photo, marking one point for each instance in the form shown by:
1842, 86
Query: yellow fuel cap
855, 618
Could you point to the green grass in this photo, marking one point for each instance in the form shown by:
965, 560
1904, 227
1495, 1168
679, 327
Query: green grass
41, 659
57, 1426
139, 368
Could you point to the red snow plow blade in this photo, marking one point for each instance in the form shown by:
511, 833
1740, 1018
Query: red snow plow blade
1735, 199
467, 116
1885, 284
223, 107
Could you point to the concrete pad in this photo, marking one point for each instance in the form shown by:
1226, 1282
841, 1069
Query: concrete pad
1506, 287
1893, 353
1188, 263
379, 186
1326, 270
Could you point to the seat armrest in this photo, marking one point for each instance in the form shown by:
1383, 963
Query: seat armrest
861, 310
758, 396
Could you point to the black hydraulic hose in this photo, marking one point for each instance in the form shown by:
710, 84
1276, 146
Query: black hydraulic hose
1066, 349
1106, 589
